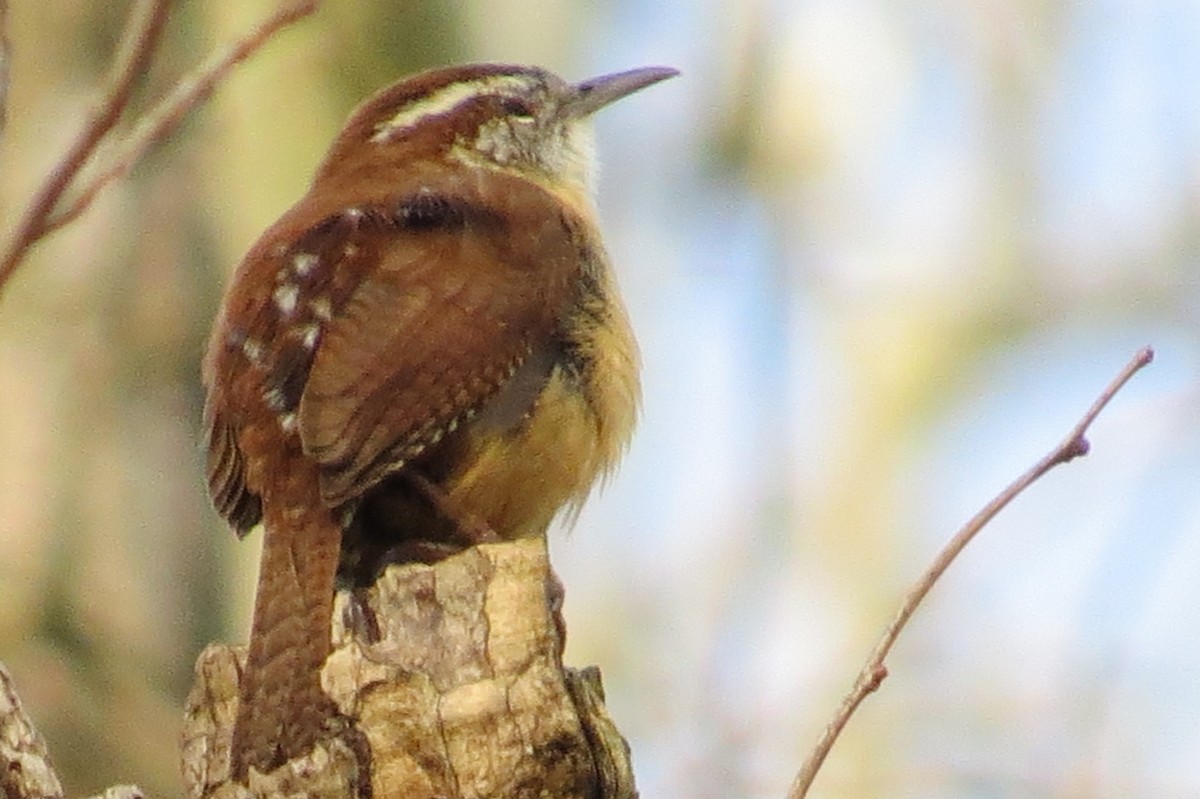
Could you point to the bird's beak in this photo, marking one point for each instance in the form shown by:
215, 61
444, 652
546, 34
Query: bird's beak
589, 96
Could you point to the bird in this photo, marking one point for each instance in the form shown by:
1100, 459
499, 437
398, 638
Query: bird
428, 351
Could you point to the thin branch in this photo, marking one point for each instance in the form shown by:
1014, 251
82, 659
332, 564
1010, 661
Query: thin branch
187, 95
5, 63
42, 218
874, 671
141, 36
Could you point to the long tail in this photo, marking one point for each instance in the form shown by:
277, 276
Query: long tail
283, 710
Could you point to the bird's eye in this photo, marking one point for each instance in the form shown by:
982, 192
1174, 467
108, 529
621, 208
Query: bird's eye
516, 107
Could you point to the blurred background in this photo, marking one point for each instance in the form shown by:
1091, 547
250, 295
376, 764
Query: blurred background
880, 257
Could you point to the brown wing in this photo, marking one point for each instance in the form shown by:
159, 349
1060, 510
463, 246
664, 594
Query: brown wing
227, 479
460, 290
258, 356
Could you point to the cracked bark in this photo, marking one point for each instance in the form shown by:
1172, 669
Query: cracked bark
452, 680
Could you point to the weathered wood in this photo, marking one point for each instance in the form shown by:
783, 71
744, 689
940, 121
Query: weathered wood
451, 682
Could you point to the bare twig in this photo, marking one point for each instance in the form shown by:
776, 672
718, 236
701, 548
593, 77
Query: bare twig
188, 94
5, 61
874, 671
142, 32
42, 218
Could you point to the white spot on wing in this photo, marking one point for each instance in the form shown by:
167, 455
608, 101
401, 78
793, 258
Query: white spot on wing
311, 334
321, 308
304, 262
285, 298
252, 350
274, 399
288, 422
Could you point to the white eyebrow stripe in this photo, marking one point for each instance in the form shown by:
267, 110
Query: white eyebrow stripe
445, 99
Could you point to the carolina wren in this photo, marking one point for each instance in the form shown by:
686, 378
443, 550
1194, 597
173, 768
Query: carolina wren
428, 350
